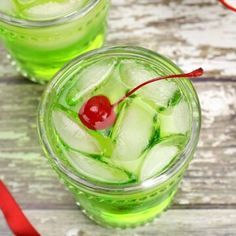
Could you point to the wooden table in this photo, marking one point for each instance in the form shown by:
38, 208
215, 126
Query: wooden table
192, 33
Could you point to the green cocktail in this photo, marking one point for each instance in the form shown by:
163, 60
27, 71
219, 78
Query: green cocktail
127, 174
42, 35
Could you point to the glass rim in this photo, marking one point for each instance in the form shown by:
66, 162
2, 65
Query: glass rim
23, 23
184, 156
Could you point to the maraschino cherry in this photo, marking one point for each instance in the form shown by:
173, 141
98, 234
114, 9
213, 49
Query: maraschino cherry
98, 112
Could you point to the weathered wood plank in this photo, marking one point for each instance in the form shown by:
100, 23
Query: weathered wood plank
210, 180
174, 222
192, 33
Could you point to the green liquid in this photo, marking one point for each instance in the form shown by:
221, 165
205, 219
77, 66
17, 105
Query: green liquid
151, 131
39, 52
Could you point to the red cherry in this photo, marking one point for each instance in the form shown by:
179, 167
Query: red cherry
98, 113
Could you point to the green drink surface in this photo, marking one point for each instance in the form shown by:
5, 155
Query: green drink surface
151, 130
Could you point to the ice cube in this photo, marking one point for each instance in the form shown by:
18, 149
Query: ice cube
160, 92
134, 73
7, 7
113, 88
74, 135
96, 169
132, 166
132, 133
90, 78
49, 9
175, 120
158, 158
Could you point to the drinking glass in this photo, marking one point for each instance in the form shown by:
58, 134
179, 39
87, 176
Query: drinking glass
125, 202
40, 47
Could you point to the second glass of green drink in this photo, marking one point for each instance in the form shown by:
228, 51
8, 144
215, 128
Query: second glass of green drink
126, 172
41, 35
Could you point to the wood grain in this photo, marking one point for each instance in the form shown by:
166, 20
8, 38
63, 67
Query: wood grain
174, 222
210, 181
192, 33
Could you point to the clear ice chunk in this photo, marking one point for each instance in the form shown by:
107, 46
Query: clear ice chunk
113, 88
98, 170
160, 92
90, 78
159, 157
73, 135
132, 133
175, 120
7, 7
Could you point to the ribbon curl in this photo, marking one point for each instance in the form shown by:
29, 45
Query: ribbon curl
13, 214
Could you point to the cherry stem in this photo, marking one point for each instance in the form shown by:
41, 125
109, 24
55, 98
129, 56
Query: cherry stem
195, 73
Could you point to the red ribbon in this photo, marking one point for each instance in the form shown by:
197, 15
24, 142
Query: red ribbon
13, 214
